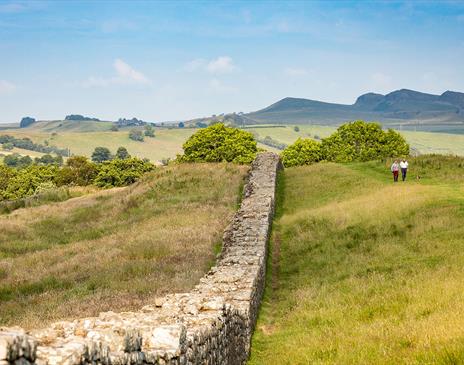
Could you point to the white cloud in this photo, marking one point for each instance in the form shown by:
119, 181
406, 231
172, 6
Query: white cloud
196, 64
125, 74
295, 72
6, 87
222, 64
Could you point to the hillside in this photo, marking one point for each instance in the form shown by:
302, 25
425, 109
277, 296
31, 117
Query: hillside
115, 249
402, 107
365, 271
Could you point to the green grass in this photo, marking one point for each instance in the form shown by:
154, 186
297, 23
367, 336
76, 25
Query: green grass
115, 249
365, 271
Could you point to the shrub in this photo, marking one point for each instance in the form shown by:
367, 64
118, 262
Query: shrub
121, 172
136, 135
149, 131
27, 180
361, 141
219, 143
302, 152
122, 153
296, 128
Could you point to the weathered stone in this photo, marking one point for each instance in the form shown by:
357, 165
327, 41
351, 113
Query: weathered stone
212, 324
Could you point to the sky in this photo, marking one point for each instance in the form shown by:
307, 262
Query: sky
175, 60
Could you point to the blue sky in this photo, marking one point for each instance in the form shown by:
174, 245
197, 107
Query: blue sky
173, 60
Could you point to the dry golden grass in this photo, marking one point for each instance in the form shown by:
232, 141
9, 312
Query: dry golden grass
114, 249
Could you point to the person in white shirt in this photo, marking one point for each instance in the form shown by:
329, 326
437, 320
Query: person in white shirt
404, 168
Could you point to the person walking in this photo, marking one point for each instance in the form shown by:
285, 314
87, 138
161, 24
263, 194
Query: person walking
395, 168
404, 168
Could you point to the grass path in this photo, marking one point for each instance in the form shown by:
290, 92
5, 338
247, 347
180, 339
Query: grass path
368, 272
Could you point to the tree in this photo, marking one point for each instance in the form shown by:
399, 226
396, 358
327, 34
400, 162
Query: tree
26, 122
361, 141
136, 135
149, 131
78, 171
101, 154
12, 160
181, 125
296, 128
122, 153
8, 146
121, 172
219, 143
114, 128
6, 174
302, 152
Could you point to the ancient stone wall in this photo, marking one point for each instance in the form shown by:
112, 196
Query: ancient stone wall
212, 324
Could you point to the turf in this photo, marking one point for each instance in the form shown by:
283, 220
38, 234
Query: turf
365, 271
116, 249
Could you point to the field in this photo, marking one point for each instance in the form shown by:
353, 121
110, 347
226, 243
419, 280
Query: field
82, 138
365, 271
115, 249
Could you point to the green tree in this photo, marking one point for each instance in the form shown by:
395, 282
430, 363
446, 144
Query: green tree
8, 146
149, 131
296, 128
181, 125
6, 174
26, 180
219, 143
121, 172
302, 152
78, 171
122, 153
136, 135
361, 141
101, 154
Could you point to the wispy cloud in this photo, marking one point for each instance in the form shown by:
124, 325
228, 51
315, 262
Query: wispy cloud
219, 65
6, 87
125, 74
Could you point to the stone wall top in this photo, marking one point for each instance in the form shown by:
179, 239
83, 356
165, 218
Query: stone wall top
212, 324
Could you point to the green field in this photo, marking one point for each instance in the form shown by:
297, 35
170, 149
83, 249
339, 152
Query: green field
82, 138
365, 271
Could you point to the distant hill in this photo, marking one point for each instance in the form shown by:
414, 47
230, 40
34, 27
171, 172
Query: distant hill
401, 107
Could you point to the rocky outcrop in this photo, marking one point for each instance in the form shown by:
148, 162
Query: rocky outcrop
212, 324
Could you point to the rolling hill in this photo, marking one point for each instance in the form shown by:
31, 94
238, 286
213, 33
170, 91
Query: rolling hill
408, 108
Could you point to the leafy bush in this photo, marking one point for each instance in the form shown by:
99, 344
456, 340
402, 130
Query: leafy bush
16, 160
302, 152
296, 128
136, 135
122, 153
25, 181
149, 131
219, 143
121, 172
361, 141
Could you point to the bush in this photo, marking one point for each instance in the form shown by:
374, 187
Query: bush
122, 153
296, 128
302, 152
27, 180
219, 143
149, 131
121, 172
136, 135
361, 141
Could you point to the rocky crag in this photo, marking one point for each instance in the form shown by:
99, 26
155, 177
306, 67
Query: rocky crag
212, 324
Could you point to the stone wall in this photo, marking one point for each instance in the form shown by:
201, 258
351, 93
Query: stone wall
212, 324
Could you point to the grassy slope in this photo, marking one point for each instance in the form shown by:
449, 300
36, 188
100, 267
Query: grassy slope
167, 143
364, 271
116, 249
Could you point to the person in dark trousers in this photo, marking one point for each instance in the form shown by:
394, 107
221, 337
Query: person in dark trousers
404, 168
395, 168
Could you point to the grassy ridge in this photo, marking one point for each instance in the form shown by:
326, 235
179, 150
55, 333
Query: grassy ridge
364, 271
116, 249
